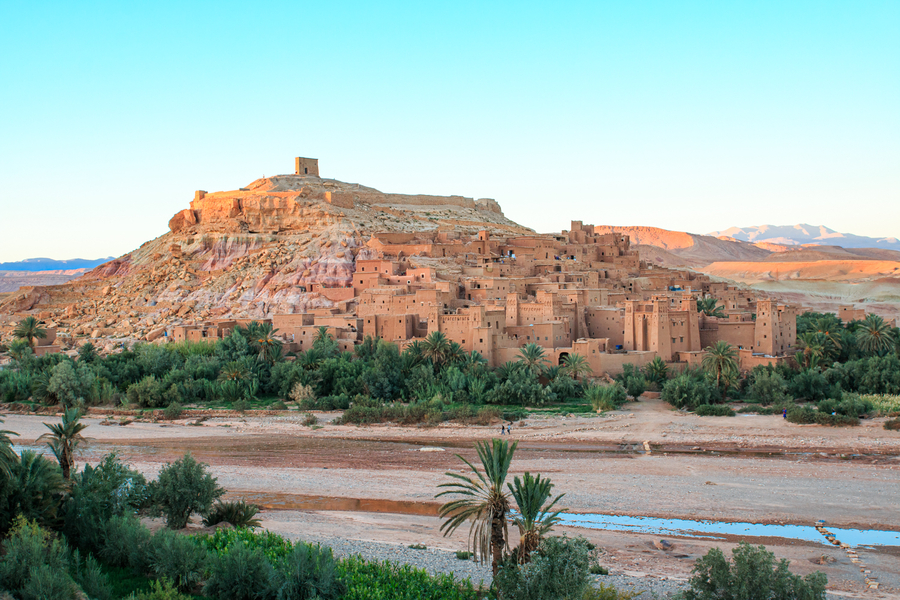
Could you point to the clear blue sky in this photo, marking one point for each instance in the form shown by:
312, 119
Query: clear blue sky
691, 116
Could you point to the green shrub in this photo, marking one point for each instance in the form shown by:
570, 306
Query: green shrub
90, 577
46, 583
126, 543
714, 410
752, 574
892, 424
609, 592
173, 411
339, 402
606, 397
558, 570
278, 405
310, 419
147, 393
810, 385
272, 545
768, 387
760, 410
241, 405
177, 557
241, 573
308, 572
98, 494
368, 580
463, 555
851, 406
161, 589
30, 555
635, 385
808, 415
183, 488
598, 570
688, 392
237, 514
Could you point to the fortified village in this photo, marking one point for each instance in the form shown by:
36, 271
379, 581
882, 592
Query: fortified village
486, 283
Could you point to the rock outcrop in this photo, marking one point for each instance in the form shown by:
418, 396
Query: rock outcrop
275, 246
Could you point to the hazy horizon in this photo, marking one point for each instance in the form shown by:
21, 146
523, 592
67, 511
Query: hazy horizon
691, 117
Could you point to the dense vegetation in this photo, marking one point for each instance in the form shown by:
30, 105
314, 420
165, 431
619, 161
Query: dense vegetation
842, 372
430, 381
845, 366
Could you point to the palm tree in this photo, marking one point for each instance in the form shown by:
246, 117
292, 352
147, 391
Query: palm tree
7, 455
456, 354
534, 519
264, 340
64, 438
436, 347
484, 501
508, 369
532, 356
709, 307
473, 361
720, 359
28, 329
575, 365
656, 370
874, 336
812, 348
551, 372
18, 350
234, 371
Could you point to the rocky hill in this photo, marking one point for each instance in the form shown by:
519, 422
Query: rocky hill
246, 253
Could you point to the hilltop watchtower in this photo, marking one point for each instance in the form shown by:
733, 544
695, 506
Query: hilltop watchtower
306, 166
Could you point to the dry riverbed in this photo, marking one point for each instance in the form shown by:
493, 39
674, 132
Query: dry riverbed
372, 488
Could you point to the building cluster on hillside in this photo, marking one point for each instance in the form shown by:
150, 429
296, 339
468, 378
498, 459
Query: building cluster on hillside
576, 292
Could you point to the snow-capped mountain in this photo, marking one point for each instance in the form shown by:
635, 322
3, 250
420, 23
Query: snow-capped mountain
791, 235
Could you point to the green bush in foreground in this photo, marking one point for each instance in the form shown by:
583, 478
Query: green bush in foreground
241, 573
752, 574
183, 488
558, 570
368, 580
892, 424
309, 572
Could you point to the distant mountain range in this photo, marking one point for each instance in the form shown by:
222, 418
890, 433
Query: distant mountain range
798, 235
49, 264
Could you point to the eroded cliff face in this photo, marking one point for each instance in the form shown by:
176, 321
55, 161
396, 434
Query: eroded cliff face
249, 253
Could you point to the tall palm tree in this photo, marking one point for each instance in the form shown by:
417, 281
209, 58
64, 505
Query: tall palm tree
812, 348
28, 329
64, 439
483, 501
536, 517
575, 365
473, 361
709, 307
7, 454
436, 347
533, 357
721, 360
874, 336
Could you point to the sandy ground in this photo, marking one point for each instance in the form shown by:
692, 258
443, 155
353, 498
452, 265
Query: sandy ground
378, 483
